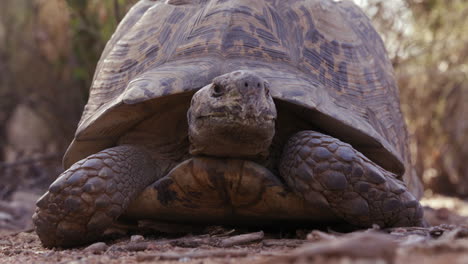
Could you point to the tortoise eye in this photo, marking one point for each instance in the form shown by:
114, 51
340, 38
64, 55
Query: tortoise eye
217, 90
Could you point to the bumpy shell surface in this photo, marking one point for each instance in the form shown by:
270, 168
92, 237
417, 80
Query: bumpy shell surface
321, 55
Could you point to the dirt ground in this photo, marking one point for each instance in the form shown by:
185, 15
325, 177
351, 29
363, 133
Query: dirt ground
446, 241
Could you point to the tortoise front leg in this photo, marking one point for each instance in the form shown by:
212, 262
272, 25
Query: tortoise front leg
356, 189
87, 198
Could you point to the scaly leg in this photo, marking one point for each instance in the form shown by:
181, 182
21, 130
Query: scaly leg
87, 198
322, 167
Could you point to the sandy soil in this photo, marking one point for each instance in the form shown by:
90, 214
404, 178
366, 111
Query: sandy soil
446, 242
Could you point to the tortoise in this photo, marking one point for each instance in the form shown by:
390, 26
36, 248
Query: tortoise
237, 112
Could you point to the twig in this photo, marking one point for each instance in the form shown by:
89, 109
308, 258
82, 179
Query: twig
241, 239
283, 242
218, 231
434, 231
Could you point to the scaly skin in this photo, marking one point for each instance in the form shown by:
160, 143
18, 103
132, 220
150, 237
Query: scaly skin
86, 199
356, 189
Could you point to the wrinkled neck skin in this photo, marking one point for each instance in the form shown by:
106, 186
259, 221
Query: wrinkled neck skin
233, 117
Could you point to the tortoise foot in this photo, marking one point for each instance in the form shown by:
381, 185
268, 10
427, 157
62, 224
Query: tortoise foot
86, 199
355, 188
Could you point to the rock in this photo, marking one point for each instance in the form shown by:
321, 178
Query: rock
97, 248
137, 238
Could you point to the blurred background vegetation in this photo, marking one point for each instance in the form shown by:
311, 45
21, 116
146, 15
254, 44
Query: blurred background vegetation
49, 49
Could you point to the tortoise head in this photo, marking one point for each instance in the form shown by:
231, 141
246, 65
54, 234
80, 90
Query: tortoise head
234, 116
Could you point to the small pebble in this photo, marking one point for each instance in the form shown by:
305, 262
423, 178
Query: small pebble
96, 248
137, 238
5, 243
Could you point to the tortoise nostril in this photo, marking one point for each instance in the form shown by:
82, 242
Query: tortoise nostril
258, 85
246, 84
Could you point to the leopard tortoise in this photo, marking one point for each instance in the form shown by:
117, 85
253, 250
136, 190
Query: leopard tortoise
236, 112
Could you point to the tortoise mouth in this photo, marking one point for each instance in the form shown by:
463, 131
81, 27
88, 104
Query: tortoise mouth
236, 119
231, 136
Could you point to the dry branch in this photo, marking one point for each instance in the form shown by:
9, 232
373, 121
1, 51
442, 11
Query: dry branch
241, 239
283, 242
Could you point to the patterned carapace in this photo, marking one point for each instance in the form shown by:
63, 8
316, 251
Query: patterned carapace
319, 54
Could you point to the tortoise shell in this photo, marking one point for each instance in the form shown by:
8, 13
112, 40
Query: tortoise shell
322, 56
